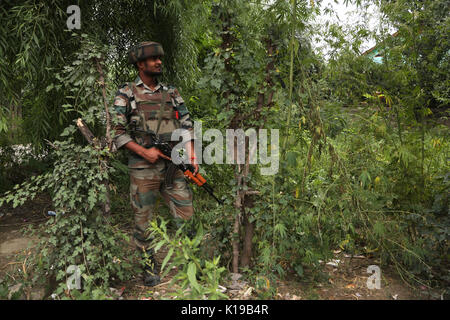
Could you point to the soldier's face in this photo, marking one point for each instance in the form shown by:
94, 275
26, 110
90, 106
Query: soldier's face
152, 66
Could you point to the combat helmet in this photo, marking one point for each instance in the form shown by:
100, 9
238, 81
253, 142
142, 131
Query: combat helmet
144, 50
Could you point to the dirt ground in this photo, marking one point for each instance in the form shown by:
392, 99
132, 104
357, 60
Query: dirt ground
346, 276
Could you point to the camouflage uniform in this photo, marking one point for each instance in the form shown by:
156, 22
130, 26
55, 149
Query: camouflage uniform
136, 103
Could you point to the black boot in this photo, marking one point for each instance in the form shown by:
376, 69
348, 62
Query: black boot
151, 270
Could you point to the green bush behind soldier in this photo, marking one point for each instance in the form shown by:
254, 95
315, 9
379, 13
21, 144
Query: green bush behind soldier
147, 104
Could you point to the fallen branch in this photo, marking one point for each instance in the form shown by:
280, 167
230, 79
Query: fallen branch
87, 133
51, 144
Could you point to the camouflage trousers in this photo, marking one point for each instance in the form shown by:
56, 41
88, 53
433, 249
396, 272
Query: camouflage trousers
145, 186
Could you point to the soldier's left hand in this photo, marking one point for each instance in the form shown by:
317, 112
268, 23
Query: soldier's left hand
195, 165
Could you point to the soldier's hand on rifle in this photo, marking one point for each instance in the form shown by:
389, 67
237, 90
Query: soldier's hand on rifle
153, 154
191, 154
195, 165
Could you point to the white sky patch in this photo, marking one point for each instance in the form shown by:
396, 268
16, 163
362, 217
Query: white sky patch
348, 17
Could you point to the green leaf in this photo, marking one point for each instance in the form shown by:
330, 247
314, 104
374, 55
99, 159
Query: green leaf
167, 258
299, 269
216, 83
379, 229
159, 245
169, 267
281, 229
50, 87
291, 158
192, 270
365, 178
68, 131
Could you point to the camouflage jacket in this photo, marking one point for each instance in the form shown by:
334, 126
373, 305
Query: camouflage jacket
135, 103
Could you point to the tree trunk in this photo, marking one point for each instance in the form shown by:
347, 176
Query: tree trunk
236, 228
16, 114
227, 42
235, 243
247, 249
249, 227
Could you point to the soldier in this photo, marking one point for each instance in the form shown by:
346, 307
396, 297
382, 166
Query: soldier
147, 104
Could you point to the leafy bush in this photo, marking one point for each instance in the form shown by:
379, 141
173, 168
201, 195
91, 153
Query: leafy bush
197, 277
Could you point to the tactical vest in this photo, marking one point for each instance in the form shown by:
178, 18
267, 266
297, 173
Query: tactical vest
153, 113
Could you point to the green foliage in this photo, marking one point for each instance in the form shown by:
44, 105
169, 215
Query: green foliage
80, 234
33, 46
197, 277
364, 166
36, 49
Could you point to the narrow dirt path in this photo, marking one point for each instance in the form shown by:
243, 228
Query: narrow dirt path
15, 247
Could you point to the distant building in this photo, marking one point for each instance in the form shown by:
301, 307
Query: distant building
376, 53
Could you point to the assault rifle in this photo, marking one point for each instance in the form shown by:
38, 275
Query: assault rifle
187, 169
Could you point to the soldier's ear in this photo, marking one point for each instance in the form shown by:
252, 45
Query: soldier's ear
140, 65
